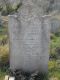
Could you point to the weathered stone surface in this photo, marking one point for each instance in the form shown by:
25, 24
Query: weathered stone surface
55, 25
29, 39
29, 43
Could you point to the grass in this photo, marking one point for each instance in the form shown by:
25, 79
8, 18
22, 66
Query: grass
54, 68
2, 74
54, 71
3, 53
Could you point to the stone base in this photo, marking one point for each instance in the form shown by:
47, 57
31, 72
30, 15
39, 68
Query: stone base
21, 75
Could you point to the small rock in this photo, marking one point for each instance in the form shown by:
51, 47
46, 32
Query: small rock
11, 78
6, 77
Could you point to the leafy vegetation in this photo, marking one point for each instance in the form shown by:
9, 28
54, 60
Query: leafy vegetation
54, 46
54, 70
9, 9
54, 63
4, 52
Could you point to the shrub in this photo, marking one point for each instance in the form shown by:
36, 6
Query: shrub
10, 10
3, 39
54, 46
6, 12
4, 54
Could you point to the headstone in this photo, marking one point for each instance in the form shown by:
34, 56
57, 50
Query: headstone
29, 39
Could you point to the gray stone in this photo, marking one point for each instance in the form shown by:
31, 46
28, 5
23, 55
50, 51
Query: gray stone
29, 39
55, 25
56, 5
